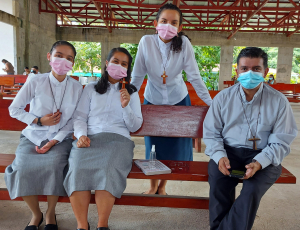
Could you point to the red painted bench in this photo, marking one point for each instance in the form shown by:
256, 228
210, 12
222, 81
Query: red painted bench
228, 83
174, 121
291, 91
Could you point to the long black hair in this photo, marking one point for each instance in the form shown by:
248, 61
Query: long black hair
102, 85
176, 44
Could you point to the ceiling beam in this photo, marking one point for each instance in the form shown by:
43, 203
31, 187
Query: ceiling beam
98, 6
176, 3
295, 31
248, 18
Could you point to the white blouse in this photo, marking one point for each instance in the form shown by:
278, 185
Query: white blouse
150, 59
97, 113
37, 92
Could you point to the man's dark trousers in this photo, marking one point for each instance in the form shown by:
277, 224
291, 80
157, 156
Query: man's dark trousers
226, 213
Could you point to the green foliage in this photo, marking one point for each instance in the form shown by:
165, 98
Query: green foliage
296, 60
132, 49
88, 56
207, 58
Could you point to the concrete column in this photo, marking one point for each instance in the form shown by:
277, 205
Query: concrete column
106, 46
226, 61
284, 64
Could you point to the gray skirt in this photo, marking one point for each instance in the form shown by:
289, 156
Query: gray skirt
104, 165
32, 173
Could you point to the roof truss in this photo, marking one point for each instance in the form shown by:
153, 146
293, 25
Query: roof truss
271, 16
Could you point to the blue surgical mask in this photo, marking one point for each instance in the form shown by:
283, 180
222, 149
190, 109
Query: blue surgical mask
250, 79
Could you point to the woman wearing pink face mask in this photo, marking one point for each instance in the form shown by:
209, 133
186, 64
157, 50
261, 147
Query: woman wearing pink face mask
42, 155
101, 159
162, 57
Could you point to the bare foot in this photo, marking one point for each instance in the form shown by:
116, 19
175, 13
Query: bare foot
162, 191
35, 220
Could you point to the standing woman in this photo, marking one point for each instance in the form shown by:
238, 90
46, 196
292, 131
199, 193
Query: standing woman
162, 57
42, 155
101, 159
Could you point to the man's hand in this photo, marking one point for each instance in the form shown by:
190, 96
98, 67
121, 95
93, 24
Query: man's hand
46, 147
224, 165
252, 168
124, 97
84, 142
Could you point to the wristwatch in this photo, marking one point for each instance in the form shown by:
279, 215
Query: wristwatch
39, 123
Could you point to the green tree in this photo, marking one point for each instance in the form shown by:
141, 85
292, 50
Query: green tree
88, 56
132, 49
207, 58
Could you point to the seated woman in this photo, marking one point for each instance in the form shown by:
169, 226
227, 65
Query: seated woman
42, 156
101, 159
271, 80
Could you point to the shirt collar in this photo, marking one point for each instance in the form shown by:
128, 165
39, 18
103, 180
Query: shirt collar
162, 45
255, 95
114, 86
55, 81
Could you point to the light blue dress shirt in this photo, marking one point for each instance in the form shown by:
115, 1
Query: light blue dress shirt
97, 113
225, 123
150, 60
37, 92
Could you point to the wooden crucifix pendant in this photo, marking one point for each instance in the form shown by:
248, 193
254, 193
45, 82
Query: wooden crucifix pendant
254, 139
123, 83
164, 77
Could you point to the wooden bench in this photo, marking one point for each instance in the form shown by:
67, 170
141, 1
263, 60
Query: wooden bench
6, 81
174, 121
228, 83
291, 91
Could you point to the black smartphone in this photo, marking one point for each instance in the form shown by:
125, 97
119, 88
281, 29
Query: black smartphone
237, 173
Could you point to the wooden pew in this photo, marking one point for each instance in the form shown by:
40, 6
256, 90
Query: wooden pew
174, 121
4, 82
228, 83
291, 91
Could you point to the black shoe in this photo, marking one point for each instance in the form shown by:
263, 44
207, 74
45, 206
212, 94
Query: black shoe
51, 226
103, 228
82, 228
33, 227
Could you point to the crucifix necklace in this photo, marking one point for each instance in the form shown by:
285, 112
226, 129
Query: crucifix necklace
58, 108
254, 138
164, 76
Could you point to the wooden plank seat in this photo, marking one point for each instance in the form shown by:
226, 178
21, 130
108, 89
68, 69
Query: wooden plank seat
195, 101
174, 121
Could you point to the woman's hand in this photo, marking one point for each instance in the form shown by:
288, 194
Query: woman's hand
84, 142
46, 147
49, 119
125, 97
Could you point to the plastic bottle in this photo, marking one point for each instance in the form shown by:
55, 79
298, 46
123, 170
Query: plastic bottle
152, 157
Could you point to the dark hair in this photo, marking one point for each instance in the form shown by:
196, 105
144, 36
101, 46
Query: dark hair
102, 85
26, 67
176, 44
61, 43
4, 60
35, 67
253, 52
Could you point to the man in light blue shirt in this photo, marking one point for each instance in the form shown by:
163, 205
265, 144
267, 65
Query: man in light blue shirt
249, 127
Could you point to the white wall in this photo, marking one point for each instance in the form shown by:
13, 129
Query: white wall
6, 35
